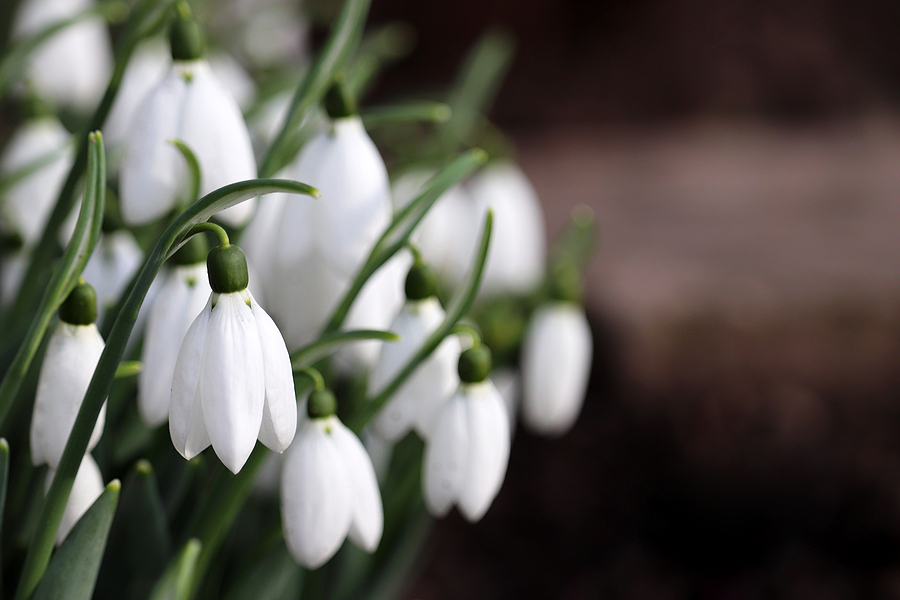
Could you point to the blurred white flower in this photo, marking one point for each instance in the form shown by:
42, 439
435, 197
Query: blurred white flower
556, 365
418, 400
516, 259
112, 266
72, 68
328, 491
86, 488
233, 382
26, 206
233, 77
72, 355
188, 105
467, 452
181, 296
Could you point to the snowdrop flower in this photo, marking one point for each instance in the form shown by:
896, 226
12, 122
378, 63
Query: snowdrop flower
326, 239
417, 401
86, 488
187, 104
233, 381
515, 262
26, 206
556, 365
180, 297
468, 449
446, 237
72, 355
328, 488
73, 67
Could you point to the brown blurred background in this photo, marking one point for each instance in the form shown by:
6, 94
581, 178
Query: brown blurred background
740, 436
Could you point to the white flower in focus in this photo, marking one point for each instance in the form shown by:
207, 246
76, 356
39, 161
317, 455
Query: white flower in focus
72, 68
328, 492
72, 355
26, 206
516, 259
86, 488
181, 297
467, 452
233, 382
556, 365
188, 105
417, 401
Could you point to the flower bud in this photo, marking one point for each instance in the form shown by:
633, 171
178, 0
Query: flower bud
475, 364
338, 103
186, 38
80, 307
227, 268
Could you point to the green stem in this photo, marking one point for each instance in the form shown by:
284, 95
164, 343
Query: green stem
413, 112
344, 37
211, 227
469, 330
51, 512
314, 375
460, 304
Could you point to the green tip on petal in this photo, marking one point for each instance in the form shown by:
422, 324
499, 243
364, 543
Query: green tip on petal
475, 364
421, 282
321, 404
227, 269
80, 307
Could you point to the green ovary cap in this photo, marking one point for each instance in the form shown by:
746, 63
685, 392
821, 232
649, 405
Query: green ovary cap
321, 404
80, 307
227, 269
475, 364
186, 37
421, 282
338, 103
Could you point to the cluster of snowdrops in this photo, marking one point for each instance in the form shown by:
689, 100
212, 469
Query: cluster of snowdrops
237, 262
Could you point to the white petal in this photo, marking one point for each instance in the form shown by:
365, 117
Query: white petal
488, 449
153, 173
214, 129
368, 514
146, 67
181, 297
516, 260
112, 266
316, 507
556, 365
72, 355
186, 425
232, 390
86, 488
446, 457
279, 421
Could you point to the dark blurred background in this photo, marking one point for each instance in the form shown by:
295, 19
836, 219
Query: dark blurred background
740, 435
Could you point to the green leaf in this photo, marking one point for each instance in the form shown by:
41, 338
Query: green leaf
330, 342
73, 571
459, 305
139, 540
128, 368
380, 47
271, 577
397, 234
4, 481
175, 584
193, 166
64, 277
412, 112
344, 36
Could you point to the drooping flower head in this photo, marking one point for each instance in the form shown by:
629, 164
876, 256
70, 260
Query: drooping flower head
188, 104
233, 382
72, 355
468, 449
329, 490
418, 400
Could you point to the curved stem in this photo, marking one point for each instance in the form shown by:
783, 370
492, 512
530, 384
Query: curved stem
469, 330
211, 227
314, 375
